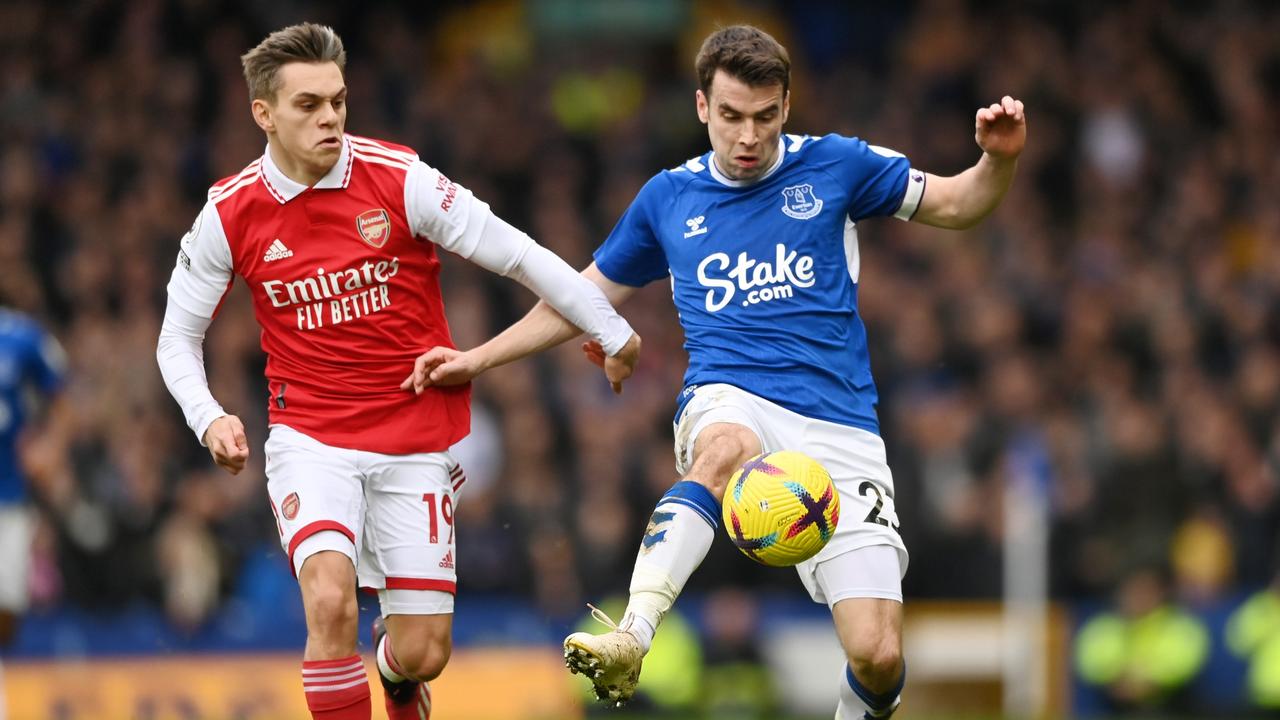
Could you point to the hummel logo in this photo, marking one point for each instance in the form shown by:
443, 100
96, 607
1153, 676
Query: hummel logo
695, 226
447, 562
277, 251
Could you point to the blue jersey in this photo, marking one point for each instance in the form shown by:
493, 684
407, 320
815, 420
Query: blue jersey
30, 361
765, 273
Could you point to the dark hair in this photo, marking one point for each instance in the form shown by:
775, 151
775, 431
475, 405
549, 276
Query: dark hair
308, 42
745, 52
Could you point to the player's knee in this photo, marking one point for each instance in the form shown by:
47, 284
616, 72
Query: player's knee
877, 662
331, 609
719, 450
422, 659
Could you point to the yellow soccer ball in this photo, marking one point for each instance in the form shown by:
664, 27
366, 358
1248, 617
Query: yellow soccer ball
781, 508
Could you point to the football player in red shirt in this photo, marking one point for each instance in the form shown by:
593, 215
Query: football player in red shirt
336, 237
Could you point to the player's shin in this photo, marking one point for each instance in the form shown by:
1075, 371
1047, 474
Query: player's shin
337, 689
678, 537
859, 703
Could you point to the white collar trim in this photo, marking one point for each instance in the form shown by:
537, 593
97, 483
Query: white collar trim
283, 188
726, 180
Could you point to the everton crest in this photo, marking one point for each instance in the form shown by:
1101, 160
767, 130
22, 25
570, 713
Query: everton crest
800, 203
374, 226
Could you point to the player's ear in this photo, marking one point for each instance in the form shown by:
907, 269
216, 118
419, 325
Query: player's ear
786, 105
261, 110
704, 108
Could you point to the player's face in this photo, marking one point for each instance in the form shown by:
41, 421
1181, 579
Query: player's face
744, 122
307, 118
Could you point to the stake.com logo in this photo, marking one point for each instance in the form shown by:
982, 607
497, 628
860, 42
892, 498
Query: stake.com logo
760, 281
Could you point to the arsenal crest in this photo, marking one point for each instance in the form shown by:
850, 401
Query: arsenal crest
800, 203
374, 226
290, 506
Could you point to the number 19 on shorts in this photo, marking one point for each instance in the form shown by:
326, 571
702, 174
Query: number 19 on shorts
444, 505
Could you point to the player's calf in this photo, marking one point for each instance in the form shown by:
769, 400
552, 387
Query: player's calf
406, 698
420, 658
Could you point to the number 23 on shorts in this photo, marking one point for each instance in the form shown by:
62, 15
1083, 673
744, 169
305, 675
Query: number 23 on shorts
870, 488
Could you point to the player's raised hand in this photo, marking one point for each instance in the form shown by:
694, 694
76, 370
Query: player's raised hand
1001, 128
227, 443
442, 366
618, 367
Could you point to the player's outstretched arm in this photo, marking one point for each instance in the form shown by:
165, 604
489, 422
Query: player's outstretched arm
540, 329
452, 217
961, 201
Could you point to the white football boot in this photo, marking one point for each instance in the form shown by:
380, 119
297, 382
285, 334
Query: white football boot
611, 661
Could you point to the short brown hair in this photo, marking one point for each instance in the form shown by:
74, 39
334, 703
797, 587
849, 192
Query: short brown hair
307, 42
746, 53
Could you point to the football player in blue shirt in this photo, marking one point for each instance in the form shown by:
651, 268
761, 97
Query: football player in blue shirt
759, 239
32, 363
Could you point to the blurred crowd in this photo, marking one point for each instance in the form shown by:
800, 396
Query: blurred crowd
1113, 329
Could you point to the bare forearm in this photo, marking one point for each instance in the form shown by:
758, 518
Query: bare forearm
540, 329
543, 327
992, 178
979, 190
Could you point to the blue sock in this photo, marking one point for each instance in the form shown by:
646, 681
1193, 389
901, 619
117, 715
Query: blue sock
859, 703
695, 496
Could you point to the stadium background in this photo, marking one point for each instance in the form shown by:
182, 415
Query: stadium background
1099, 360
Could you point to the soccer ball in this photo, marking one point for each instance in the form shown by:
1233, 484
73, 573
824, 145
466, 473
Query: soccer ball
781, 508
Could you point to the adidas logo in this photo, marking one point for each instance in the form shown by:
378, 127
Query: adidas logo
447, 562
277, 251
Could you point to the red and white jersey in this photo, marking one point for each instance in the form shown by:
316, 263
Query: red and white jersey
345, 285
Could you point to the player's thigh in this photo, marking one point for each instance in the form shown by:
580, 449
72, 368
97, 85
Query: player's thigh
316, 494
17, 526
719, 428
409, 550
863, 589
720, 449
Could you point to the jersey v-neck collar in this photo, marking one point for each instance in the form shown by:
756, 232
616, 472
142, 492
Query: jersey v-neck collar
283, 188
730, 182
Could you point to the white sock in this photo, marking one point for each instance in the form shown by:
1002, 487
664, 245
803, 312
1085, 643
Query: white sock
384, 667
640, 627
677, 539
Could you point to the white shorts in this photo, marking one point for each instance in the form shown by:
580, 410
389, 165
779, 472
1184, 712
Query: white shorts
17, 527
391, 514
854, 457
